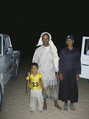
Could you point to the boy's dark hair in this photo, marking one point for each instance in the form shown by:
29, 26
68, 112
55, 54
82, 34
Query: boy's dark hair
33, 64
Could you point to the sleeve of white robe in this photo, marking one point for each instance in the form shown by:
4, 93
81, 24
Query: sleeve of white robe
56, 62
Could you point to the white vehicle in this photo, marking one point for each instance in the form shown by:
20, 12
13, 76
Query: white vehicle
9, 61
85, 58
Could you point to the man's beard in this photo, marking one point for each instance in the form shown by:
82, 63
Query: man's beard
45, 43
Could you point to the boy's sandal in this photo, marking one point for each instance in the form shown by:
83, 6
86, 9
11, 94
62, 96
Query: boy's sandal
65, 107
31, 111
41, 111
72, 107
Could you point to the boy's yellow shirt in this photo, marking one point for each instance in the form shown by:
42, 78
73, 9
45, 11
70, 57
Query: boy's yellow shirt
35, 81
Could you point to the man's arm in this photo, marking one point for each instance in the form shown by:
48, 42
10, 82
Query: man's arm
60, 66
78, 66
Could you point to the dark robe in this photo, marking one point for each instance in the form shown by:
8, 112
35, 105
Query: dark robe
69, 67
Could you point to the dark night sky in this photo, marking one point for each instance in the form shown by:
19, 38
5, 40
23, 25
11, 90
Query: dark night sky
24, 21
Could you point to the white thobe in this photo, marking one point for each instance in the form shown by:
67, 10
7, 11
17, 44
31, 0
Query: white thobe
45, 60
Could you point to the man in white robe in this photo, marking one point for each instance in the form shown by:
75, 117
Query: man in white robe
47, 58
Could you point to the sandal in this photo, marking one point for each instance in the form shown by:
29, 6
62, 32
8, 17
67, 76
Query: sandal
65, 107
41, 111
31, 111
72, 107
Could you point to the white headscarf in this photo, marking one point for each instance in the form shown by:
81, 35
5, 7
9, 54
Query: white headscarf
53, 47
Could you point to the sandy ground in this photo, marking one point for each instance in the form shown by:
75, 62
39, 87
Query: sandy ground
16, 101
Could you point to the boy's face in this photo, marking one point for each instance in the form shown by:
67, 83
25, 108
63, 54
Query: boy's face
34, 69
69, 42
45, 39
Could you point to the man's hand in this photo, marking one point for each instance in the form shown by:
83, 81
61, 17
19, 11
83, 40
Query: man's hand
61, 77
77, 77
57, 76
28, 73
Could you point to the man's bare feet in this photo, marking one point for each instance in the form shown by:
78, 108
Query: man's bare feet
56, 105
45, 105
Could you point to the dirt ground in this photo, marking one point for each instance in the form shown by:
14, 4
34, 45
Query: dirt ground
16, 101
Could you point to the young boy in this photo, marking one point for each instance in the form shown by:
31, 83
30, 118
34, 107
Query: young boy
69, 70
36, 85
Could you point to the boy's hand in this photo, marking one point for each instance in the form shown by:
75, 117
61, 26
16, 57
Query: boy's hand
61, 77
27, 92
42, 92
77, 77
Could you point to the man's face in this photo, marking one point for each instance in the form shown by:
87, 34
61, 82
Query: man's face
45, 39
69, 42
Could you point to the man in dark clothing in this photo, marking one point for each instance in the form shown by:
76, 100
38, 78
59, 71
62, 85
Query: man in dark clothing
69, 70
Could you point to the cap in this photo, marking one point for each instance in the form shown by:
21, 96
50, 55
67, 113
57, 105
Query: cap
69, 37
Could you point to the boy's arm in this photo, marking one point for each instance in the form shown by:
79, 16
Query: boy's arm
41, 82
28, 82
